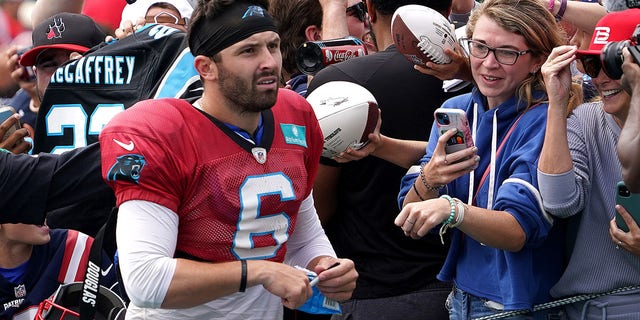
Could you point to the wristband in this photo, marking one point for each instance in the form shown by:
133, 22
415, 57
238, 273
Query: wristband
4, 150
461, 208
424, 180
452, 213
417, 193
243, 276
563, 7
447, 223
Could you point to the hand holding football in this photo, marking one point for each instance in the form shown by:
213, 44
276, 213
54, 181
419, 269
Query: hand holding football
422, 34
347, 113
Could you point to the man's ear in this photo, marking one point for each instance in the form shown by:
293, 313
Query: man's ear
205, 66
313, 33
371, 12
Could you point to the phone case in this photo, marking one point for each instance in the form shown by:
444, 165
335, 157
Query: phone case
5, 113
630, 201
454, 118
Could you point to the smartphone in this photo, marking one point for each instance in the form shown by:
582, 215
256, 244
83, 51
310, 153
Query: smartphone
454, 118
28, 74
5, 113
630, 201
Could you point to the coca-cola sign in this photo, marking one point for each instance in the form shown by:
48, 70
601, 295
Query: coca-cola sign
315, 55
342, 53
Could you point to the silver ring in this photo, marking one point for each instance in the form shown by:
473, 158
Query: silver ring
445, 159
619, 242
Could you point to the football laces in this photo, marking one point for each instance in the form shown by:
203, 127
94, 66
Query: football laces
434, 52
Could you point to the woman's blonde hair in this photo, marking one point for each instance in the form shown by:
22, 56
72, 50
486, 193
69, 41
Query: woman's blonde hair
532, 20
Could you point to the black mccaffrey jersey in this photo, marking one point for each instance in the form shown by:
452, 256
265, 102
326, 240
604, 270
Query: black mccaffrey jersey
84, 94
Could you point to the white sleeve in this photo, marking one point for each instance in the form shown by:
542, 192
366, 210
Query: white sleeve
146, 235
308, 239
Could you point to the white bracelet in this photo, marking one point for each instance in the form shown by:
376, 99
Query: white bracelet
461, 206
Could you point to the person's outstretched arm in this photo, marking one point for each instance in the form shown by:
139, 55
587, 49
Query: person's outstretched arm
46, 8
629, 141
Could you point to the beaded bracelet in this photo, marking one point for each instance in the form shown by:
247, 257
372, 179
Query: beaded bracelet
417, 193
424, 180
452, 204
446, 224
563, 7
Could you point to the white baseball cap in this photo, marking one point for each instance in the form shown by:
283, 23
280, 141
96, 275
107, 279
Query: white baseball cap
139, 8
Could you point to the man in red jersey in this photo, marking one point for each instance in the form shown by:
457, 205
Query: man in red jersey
215, 196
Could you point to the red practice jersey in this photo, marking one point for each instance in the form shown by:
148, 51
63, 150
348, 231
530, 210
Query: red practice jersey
235, 200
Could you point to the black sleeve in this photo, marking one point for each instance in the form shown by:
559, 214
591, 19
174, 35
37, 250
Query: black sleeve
79, 198
24, 184
78, 178
34, 185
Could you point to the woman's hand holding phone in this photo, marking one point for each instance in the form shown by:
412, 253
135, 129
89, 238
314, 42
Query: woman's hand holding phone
455, 133
445, 167
462, 155
623, 229
447, 119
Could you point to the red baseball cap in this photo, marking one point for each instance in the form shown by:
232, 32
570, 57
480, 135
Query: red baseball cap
615, 26
106, 13
70, 31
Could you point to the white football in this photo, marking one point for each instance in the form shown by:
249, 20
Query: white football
347, 113
422, 34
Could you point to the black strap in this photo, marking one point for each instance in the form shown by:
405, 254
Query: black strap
557, 303
91, 283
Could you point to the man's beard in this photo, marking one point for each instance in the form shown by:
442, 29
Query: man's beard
244, 95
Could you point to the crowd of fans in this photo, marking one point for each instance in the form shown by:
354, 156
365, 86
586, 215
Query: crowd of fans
189, 118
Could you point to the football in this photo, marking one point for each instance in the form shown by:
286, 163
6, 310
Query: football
347, 113
421, 34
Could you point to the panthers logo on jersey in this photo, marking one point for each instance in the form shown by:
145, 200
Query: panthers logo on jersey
127, 168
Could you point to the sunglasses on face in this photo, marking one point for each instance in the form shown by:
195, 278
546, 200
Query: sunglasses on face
359, 10
503, 56
166, 17
591, 65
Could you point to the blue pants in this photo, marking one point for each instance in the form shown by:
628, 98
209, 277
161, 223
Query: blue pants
464, 306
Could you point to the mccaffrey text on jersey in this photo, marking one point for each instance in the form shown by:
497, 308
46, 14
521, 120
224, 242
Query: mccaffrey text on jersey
109, 70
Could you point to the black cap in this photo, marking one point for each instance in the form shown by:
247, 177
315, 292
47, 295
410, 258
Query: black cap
70, 31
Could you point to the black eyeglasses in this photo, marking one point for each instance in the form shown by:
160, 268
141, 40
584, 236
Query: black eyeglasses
503, 56
359, 10
166, 17
591, 65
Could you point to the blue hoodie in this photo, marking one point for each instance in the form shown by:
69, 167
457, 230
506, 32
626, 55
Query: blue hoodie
515, 279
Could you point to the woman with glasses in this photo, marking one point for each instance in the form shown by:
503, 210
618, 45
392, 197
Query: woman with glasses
505, 252
578, 172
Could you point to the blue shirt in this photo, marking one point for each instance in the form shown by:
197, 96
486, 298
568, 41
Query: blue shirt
515, 279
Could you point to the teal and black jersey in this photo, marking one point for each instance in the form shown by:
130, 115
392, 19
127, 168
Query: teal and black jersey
84, 94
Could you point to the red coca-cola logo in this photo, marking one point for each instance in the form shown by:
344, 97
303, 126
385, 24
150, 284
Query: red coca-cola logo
342, 53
